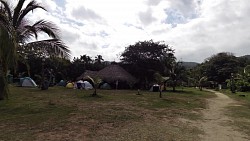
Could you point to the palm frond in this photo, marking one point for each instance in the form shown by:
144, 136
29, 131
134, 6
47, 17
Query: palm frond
30, 31
17, 12
40, 26
51, 47
30, 7
47, 27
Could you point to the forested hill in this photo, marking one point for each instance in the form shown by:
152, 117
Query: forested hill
245, 56
189, 65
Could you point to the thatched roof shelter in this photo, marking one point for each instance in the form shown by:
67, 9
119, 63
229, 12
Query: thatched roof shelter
88, 73
113, 73
110, 74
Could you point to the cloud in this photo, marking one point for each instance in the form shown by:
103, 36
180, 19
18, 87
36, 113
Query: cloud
147, 17
196, 29
83, 13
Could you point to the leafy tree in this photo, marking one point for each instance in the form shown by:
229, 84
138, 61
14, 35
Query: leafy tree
143, 59
219, 67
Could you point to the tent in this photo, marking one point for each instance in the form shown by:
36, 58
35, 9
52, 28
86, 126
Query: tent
62, 83
155, 88
105, 86
70, 86
27, 82
86, 85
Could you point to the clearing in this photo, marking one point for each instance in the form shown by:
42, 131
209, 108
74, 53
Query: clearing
61, 114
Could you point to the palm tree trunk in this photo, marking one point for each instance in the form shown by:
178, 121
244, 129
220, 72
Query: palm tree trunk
174, 85
94, 94
3, 84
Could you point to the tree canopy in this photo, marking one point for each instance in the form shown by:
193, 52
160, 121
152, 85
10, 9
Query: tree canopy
143, 59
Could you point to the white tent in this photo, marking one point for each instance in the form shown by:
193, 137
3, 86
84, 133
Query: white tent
86, 85
27, 82
155, 88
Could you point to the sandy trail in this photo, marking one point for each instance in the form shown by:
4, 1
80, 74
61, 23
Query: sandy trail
215, 121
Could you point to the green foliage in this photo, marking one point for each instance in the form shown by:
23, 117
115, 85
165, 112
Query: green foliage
219, 67
95, 81
143, 59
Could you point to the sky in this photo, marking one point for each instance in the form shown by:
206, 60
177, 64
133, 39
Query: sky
195, 29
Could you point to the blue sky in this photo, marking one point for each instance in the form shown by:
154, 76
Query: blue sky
196, 29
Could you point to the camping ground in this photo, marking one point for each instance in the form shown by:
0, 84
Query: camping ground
67, 114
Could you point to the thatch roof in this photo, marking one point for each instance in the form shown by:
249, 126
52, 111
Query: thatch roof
110, 74
113, 73
88, 73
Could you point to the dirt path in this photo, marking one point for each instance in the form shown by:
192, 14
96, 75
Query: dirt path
215, 121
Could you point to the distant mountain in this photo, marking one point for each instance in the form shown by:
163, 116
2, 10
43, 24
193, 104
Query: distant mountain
189, 65
245, 56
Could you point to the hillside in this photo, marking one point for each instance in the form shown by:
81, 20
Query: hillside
189, 65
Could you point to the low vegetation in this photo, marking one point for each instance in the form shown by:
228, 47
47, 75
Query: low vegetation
67, 114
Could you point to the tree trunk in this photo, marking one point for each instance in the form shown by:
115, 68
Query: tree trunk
3, 84
94, 94
174, 85
160, 94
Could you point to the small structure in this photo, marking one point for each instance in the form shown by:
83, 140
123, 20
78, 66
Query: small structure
70, 85
86, 85
62, 83
155, 88
105, 86
27, 82
114, 75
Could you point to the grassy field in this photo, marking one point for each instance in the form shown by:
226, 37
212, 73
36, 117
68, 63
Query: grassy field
241, 112
66, 114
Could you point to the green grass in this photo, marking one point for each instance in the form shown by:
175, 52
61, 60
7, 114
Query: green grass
68, 114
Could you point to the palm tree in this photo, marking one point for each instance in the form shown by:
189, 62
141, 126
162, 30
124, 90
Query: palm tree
7, 53
19, 31
99, 59
95, 81
24, 31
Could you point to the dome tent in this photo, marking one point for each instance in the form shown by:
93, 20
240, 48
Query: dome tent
27, 82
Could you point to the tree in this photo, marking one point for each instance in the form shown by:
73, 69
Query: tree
95, 81
99, 59
7, 54
143, 59
16, 18
219, 67
176, 73
15, 25
201, 82
86, 60
159, 79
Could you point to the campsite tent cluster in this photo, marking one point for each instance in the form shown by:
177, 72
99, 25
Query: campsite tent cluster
113, 76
